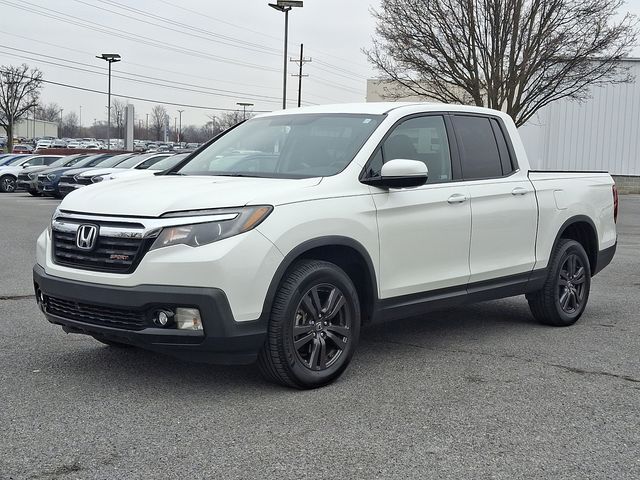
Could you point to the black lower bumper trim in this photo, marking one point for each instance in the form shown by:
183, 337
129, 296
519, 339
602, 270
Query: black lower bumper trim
604, 258
224, 340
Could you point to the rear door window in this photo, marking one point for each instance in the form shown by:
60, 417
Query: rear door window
478, 147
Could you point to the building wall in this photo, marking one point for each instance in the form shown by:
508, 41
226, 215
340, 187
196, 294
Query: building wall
602, 133
24, 128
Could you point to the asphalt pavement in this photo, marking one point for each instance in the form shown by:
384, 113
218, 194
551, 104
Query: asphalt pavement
466, 393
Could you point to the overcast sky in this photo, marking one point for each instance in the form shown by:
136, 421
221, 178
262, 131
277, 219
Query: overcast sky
212, 54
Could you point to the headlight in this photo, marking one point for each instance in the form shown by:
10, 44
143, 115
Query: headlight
97, 179
51, 176
195, 235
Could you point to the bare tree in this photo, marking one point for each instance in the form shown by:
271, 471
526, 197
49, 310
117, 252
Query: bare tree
158, 120
511, 55
19, 91
230, 119
69, 125
117, 115
49, 112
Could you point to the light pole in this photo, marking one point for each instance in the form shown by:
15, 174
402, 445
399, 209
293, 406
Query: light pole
285, 6
244, 106
60, 131
109, 58
180, 127
80, 120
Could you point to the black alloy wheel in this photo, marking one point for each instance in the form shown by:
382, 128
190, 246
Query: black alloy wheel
313, 328
322, 327
7, 184
571, 284
563, 297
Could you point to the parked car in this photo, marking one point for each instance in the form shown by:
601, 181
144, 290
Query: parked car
42, 144
335, 217
69, 180
22, 148
49, 180
57, 143
28, 178
9, 173
7, 158
73, 144
155, 169
95, 175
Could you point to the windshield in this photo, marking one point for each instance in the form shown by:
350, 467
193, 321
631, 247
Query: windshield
109, 162
132, 162
286, 146
19, 160
169, 162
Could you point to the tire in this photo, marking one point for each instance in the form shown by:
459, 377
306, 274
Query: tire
565, 293
111, 343
319, 299
35, 193
7, 184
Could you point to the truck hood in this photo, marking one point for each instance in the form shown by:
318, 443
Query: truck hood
154, 196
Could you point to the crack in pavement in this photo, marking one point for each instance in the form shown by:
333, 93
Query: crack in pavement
566, 368
16, 297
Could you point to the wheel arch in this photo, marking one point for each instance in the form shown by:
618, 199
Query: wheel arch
346, 253
581, 229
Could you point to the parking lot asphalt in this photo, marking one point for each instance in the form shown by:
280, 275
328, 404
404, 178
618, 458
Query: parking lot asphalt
474, 392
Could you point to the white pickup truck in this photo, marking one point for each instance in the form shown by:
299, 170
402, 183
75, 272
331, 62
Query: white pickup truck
277, 240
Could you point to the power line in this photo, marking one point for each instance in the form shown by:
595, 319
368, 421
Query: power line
140, 99
96, 27
214, 91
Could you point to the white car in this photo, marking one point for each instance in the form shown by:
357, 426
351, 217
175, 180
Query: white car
73, 144
42, 144
167, 163
135, 163
333, 218
9, 173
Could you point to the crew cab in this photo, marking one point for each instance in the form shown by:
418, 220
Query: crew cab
279, 239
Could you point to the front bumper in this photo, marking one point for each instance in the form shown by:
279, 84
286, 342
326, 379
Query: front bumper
47, 187
26, 185
66, 188
223, 340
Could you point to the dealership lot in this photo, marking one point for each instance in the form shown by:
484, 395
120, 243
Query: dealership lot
475, 392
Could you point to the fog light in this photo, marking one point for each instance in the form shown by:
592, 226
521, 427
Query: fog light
188, 319
163, 317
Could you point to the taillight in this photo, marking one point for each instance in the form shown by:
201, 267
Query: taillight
615, 204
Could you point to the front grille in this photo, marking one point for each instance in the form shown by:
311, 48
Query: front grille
24, 177
67, 179
84, 181
96, 314
110, 254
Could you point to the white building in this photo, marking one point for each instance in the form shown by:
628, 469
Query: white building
602, 133
25, 129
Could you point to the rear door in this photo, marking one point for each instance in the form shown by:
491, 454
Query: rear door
503, 204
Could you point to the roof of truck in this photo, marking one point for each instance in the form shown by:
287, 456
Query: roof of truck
380, 108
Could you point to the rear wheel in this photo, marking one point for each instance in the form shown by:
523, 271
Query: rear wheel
35, 193
564, 296
314, 326
7, 184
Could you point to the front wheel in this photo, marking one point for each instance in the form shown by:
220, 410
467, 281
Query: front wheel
7, 184
314, 326
564, 296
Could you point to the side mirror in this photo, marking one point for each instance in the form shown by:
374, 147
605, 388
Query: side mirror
401, 173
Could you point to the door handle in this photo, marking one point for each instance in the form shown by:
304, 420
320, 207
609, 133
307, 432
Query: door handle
519, 191
457, 198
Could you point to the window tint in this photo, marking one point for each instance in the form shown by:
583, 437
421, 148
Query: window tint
505, 157
478, 147
423, 139
35, 161
50, 160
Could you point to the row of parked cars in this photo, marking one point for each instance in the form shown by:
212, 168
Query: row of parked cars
57, 175
33, 146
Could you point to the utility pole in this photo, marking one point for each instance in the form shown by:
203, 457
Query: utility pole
80, 120
175, 124
301, 61
285, 6
244, 106
180, 129
109, 58
147, 127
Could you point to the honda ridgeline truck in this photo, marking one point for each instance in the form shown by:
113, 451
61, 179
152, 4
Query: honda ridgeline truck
279, 239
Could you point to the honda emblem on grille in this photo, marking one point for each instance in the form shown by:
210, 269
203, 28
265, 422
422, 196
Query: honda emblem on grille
86, 237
